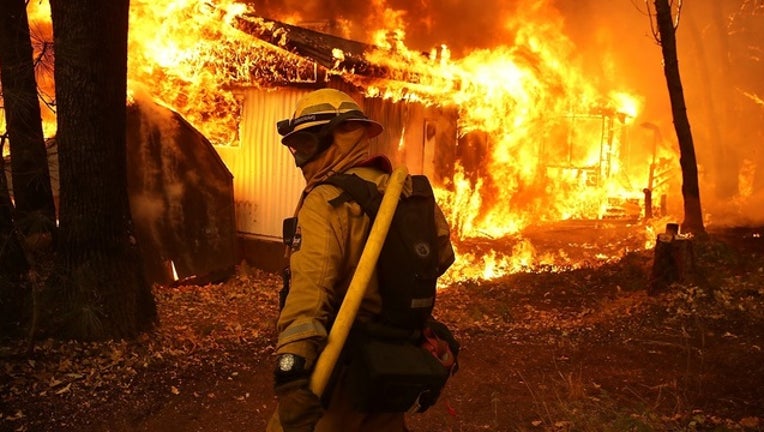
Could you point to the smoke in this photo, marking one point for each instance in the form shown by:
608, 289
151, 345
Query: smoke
461, 24
719, 46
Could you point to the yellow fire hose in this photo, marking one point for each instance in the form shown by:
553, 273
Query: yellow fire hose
352, 301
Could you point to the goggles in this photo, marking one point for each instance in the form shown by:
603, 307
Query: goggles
307, 144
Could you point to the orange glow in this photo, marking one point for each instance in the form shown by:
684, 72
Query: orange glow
191, 56
38, 11
41, 32
551, 141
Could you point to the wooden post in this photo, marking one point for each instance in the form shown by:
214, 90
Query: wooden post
648, 203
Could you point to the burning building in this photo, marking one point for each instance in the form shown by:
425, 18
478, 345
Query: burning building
517, 136
486, 128
423, 137
575, 152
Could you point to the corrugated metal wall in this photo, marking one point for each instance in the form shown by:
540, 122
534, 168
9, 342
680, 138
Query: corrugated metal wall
267, 184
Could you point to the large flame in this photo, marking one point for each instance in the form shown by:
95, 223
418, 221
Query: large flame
547, 139
191, 56
540, 141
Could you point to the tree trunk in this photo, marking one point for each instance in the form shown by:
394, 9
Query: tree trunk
33, 214
673, 261
102, 277
35, 211
13, 264
693, 216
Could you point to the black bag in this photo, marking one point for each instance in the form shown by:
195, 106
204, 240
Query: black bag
393, 375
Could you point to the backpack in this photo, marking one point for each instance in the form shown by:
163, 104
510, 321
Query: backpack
408, 262
402, 362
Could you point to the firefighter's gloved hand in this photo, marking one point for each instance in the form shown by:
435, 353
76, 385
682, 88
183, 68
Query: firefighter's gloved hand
443, 332
299, 408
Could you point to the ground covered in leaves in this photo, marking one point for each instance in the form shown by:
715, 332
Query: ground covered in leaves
580, 350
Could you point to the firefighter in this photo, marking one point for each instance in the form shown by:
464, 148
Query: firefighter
328, 134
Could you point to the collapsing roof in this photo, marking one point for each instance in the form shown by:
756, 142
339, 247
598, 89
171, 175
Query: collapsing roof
331, 52
322, 48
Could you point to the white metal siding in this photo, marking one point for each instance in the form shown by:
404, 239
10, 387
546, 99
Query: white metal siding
266, 182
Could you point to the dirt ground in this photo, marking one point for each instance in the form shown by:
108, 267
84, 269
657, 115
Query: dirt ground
580, 350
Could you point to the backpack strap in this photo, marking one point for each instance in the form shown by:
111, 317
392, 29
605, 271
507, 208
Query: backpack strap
354, 188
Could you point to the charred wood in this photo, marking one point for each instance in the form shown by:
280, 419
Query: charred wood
673, 260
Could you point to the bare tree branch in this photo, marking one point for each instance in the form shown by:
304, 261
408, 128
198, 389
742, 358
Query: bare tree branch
678, 13
653, 30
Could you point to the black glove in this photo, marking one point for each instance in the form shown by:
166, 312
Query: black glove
299, 408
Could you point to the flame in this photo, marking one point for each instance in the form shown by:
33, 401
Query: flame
41, 33
548, 139
191, 55
554, 139
174, 272
519, 95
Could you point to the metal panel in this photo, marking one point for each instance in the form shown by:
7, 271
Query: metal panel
267, 184
181, 198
